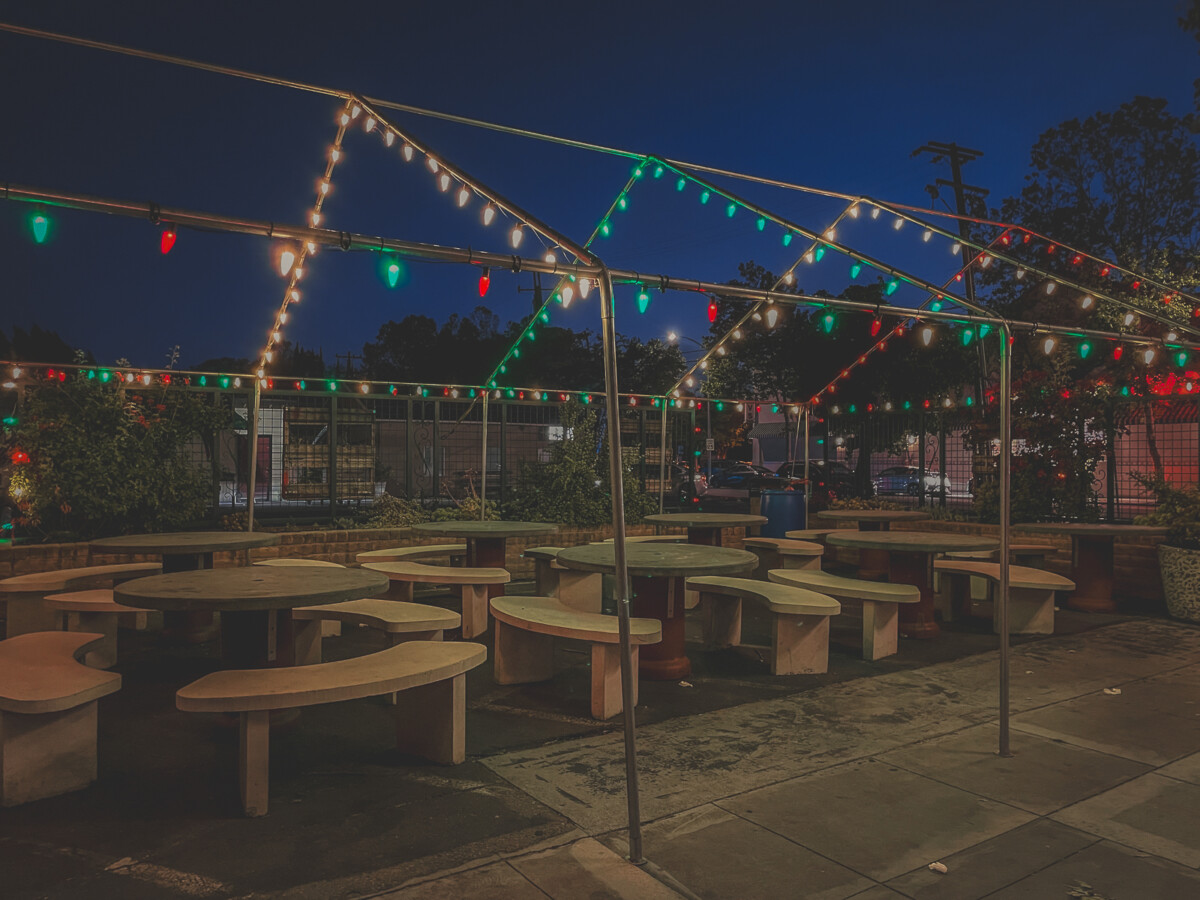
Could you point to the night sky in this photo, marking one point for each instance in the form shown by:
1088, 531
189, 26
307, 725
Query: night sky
833, 95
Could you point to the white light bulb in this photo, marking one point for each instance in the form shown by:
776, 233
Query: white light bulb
1172, 336
926, 335
311, 247
1148, 356
444, 182
293, 296
433, 165
672, 337
298, 273
585, 285
875, 213
407, 152
853, 211
956, 248
898, 224
788, 278
323, 187
830, 233
704, 365
1048, 345
1020, 274
389, 137
315, 218
1050, 286
237, 382
772, 317
691, 381
721, 351
550, 257
888, 406
283, 318
355, 110
489, 213
926, 235
464, 194
568, 294
287, 259
737, 334
344, 118
757, 317
275, 337
364, 388
808, 257
516, 236
335, 154
986, 261
1086, 302
1129, 317
369, 125
268, 356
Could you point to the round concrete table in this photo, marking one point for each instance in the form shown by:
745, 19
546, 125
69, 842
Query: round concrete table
705, 528
486, 541
872, 564
1092, 559
255, 603
185, 551
910, 561
657, 573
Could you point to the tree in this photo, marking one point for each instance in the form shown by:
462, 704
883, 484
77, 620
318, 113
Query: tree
1190, 22
40, 345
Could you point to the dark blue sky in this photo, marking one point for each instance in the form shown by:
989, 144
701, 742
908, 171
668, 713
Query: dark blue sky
832, 95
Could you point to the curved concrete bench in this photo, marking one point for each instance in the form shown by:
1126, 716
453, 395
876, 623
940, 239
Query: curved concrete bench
24, 593
1030, 593
880, 604
472, 583
421, 551
400, 621
583, 590
430, 677
783, 553
298, 561
93, 612
48, 714
799, 620
1033, 555
524, 650
809, 534
650, 539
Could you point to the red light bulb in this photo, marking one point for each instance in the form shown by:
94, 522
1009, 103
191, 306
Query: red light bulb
1135, 285
876, 324
1118, 351
19, 457
485, 281
712, 311
1104, 271
168, 241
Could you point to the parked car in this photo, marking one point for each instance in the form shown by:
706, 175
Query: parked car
731, 488
907, 480
685, 482
832, 480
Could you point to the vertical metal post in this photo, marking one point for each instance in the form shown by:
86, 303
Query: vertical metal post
642, 447
662, 456
942, 457
1005, 492
253, 436
333, 448
504, 479
483, 467
409, 448
807, 481
436, 453
921, 460
708, 434
621, 586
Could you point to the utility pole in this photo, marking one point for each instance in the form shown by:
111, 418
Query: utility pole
956, 156
349, 358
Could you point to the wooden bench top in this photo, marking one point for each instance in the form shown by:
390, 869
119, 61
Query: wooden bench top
411, 571
395, 669
99, 600
849, 588
548, 615
394, 616
785, 546
69, 579
543, 553
40, 672
284, 561
420, 551
779, 598
1018, 576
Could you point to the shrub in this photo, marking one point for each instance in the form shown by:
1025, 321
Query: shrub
395, 512
1178, 511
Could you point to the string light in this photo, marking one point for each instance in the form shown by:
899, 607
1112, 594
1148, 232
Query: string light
643, 299
489, 213
772, 316
926, 335
167, 241
464, 194
1049, 344
516, 236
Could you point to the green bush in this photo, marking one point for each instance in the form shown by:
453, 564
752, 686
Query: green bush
465, 510
1178, 511
109, 460
395, 512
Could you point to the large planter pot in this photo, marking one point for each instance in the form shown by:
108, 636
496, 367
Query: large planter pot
1181, 581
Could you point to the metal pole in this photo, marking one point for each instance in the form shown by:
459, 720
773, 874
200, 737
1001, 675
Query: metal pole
621, 587
807, 483
708, 435
253, 441
483, 467
1005, 497
662, 457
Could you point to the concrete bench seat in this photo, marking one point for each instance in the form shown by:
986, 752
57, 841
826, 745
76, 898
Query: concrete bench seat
452, 552
472, 583
298, 561
524, 651
809, 534
799, 620
1033, 555
428, 676
880, 604
48, 714
1030, 593
25, 593
398, 620
583, 590
783, 553
93, 612
650, 539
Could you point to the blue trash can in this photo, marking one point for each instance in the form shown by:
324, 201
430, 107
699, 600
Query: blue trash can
785, 511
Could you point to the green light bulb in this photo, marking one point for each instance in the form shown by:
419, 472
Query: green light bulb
104, 376
731, 209
303, 385
1125, 391
855, 269
787, 238
638, 171
907, 405
968, 335
704, 195
40, 226
224, 381
761, 223
91, 374
936, 305
853, 408
393, 274
10, 421
545, 317
820, 253
605, 229
720, 406
891, 286
332, 385
984, 330
516, 354
622, 203
1084, 349
658, 171
503, 370
1181, 358
827, 322
643, 301
681, 183
970, 401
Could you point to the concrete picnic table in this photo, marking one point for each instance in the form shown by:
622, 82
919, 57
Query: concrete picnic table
185, 551
705, 528
1092, 558
910, 561
255, 603
657, 573
486, 541
872, 564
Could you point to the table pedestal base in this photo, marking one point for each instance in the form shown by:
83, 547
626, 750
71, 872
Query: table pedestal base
662, 599
873, 564
257, 639
488, 553
916, 619
709, 537
1092, 572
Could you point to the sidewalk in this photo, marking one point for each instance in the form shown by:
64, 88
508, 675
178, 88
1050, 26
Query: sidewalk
852, 790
